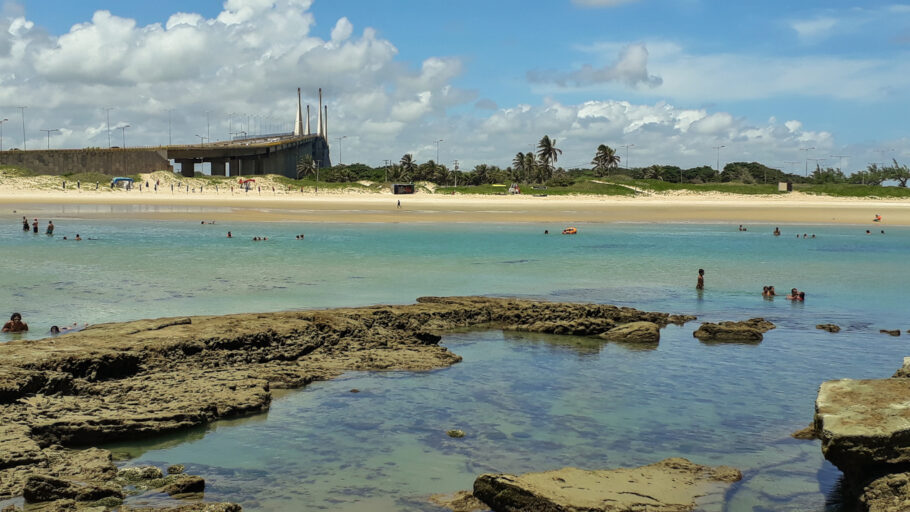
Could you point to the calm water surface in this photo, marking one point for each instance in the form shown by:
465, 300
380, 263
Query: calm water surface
527, 402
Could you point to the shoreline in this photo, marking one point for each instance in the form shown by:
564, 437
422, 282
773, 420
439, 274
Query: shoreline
354, 207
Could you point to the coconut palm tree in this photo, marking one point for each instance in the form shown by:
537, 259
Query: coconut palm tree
531, 168
407, 166
604, 160
548, 154
305, 166
518, 165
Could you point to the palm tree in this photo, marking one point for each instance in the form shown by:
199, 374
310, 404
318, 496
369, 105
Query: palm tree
604, 160
518, 164
305, 166
531, 167
407, 166
548, 153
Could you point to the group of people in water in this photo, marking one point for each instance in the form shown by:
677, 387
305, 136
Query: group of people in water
49, 231
795, 295
262, 238
16, 325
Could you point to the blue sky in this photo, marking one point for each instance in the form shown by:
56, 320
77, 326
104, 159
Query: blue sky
672, 77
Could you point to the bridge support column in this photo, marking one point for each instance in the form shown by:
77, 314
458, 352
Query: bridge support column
235, 169
187, 167
218, 167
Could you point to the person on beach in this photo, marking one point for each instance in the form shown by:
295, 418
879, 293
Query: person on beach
399, 203
877, 218
25, 224
78, 238
230, 235
50, 228
15, 324
776, 231
771, 292
700, 285
35, 226
794, 294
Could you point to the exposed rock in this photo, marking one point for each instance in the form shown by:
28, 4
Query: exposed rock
893, 332
137, 473
751, 330
176, 469
136, 379
904, 371
461, 501
634, 332
862, 425
455, 433
40, 488
805, 433
672, 485
833, 328
185, 484
890, 493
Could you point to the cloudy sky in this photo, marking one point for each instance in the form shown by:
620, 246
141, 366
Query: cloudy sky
672, 79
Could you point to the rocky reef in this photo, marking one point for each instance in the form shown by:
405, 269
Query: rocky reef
671, 485
136, 379
748, 331
864, 428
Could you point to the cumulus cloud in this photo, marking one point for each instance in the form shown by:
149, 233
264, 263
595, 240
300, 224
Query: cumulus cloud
815, 28
631, 68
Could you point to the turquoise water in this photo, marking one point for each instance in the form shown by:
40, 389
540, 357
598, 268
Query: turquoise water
527, 403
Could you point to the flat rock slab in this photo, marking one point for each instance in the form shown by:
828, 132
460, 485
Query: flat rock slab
671, 485
864, 425
748, 331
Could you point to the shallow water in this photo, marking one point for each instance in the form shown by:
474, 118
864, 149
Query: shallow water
527, 402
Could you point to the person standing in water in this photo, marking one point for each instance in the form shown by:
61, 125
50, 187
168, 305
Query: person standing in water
700, 285
50, 227
25, 224
15, 324
35, 226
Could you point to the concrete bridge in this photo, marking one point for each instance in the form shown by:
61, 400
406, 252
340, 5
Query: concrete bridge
264, 155
267, 154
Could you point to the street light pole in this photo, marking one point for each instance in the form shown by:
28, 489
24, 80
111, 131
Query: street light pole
208, 129
201, 139
339, 148
1, 132
841, 168
49, 136
169, 141
807, 158
718, 148
22, 112
107, 111
123, 133
437, 149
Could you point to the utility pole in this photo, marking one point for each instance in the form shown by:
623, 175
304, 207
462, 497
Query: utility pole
388, 163
807, 158
208, 127
22, 112
169, 142
123, 134
437, 148
718, 148
455, 172
841, 167
49, 135
627, 146
107, 110
339, 147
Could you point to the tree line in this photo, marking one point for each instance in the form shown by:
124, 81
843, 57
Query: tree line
539, 167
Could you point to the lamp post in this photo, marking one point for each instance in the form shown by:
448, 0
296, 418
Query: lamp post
1, 132
718, 148
201, 139
208, 126
841, 167
123, 134
437, 149
22, 112
169, 126
807, 158
627, 146
339, 147
49, 135
107, 110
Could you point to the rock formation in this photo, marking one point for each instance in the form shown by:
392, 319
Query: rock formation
832, 328
671, 485
634, 332
135, 379
751, 331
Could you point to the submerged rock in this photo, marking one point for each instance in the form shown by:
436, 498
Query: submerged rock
751, 330
892, 332
193, 507
805, 433
40, 488
832, 328
176, 469
185, 484
461, 501
671, 485
456, 433
634, 332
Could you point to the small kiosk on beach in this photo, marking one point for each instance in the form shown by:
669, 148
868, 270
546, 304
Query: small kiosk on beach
403, 188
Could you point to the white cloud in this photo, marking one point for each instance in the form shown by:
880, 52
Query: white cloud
631, 68
815, 28
342, 30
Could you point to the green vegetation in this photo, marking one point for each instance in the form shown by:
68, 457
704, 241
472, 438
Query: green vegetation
10, 171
